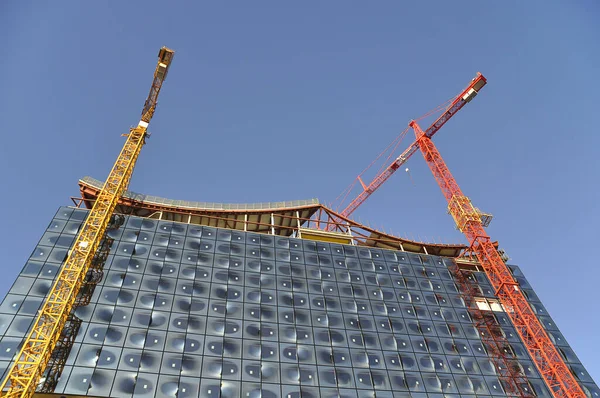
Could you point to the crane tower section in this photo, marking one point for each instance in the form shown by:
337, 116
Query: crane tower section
470, 221
32, 359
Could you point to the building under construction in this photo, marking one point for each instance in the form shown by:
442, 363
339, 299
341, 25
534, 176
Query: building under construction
134, 295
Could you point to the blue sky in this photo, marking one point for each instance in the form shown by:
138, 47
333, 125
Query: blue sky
275, 101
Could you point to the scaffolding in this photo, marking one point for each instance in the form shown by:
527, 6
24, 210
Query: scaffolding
63, 347
509, 372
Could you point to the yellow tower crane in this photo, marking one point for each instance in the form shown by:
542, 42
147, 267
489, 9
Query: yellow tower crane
24, 375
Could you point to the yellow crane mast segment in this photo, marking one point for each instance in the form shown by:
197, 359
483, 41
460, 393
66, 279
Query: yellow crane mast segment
25, 373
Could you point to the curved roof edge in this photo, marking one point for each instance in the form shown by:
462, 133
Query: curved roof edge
184, 204
274, 218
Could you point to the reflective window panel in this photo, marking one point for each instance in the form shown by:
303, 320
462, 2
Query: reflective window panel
191, 311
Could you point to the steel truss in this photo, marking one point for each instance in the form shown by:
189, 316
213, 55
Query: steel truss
36, 352
498, 348
469, 221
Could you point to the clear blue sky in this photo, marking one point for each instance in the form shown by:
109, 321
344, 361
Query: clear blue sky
278, 100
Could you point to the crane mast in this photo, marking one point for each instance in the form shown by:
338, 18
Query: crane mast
25, 373
470, 222
457, 104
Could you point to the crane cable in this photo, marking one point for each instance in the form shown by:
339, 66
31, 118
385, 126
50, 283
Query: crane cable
395, 143
440, 108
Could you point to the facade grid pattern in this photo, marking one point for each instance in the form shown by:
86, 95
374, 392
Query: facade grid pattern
188, 311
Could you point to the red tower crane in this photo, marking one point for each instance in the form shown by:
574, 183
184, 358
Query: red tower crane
457, 103
470, 222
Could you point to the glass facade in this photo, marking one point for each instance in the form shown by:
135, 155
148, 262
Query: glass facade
188, 311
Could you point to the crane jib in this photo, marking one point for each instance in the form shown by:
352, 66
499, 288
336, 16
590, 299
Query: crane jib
457, 103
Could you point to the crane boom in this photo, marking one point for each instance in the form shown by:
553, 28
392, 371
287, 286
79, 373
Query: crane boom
552, 367
25, 373
457, 103
165, 56
379, 180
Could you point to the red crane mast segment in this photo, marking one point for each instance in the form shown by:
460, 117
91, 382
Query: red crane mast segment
470, 221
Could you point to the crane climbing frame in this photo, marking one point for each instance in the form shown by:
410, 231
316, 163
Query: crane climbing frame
26, 372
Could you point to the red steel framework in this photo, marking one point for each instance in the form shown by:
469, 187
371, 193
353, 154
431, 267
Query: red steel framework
470, 222
498, 348
456, 104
